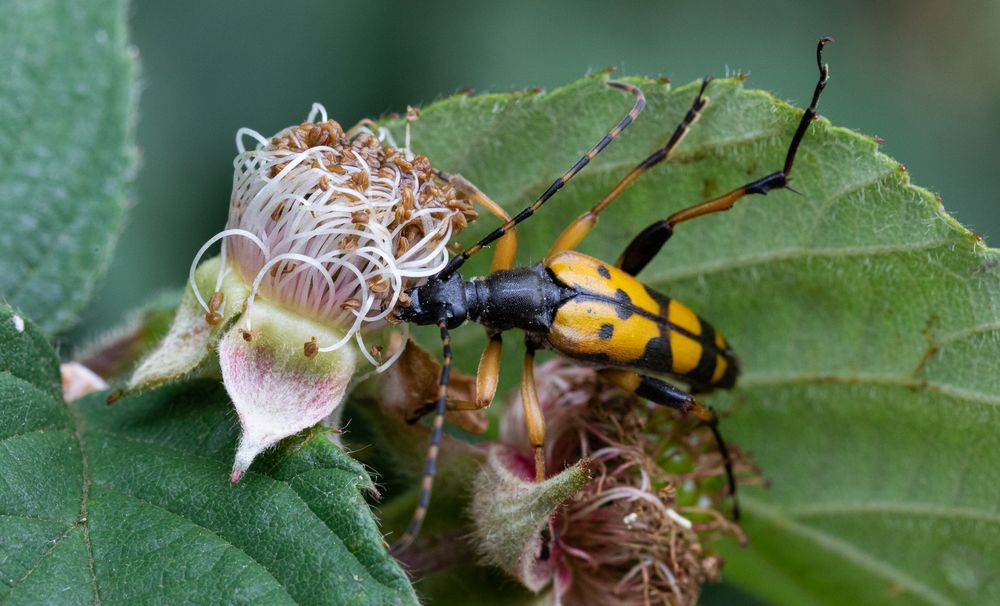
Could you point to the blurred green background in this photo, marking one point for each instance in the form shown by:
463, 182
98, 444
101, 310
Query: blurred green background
924, 75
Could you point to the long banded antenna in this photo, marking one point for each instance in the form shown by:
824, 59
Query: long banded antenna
640, 102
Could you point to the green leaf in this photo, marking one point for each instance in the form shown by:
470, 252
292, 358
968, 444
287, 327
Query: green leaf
868, 322
132, 504
66, 112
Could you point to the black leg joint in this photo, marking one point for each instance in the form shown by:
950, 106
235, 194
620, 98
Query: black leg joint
776, 180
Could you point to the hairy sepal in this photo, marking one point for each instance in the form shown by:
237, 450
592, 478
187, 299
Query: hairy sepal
276, 388
191, 339
509, 513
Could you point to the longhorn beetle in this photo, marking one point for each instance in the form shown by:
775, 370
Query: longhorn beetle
586, 309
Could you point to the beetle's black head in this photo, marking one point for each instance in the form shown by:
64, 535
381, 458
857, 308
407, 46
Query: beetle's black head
435, 301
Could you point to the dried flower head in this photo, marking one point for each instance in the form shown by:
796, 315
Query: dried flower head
334, 224
632, 534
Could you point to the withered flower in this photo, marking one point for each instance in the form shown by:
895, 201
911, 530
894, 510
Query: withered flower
632, 534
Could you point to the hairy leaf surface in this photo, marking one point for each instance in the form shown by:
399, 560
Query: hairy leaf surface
132, 504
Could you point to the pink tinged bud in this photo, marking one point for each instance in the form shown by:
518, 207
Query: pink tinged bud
510, 513
276, 388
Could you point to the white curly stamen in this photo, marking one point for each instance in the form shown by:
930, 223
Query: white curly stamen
204, 248
335, 225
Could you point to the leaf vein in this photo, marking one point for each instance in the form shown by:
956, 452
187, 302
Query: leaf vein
847, 551
83, 521
815, 510
762, 380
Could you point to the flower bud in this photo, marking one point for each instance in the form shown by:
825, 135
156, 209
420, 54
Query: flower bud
327, 228
276, 388
510, 513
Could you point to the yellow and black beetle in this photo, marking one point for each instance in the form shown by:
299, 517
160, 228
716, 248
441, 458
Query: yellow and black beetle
586, 309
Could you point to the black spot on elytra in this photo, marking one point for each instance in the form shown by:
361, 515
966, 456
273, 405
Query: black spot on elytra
624, 307
604, 272
606, 332
657, 357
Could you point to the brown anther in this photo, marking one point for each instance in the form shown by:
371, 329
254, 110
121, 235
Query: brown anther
277, 212
324, 183
456, 247
458, 221
349, 242
311, 348
289, 268
403, 164
213, 317
248, 335
351, 304
376, 351
277, 168
317, 136
901, 167
378, 285
404, 299
359, 216
333, 130
360, 181
664, 80
610, 69
402, 246
467, 91
407, 198
215, 301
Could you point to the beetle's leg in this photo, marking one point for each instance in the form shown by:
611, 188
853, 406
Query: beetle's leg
640, 102
645, 246
430, 469
660, 392
534, 421
575, 232
488, 373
